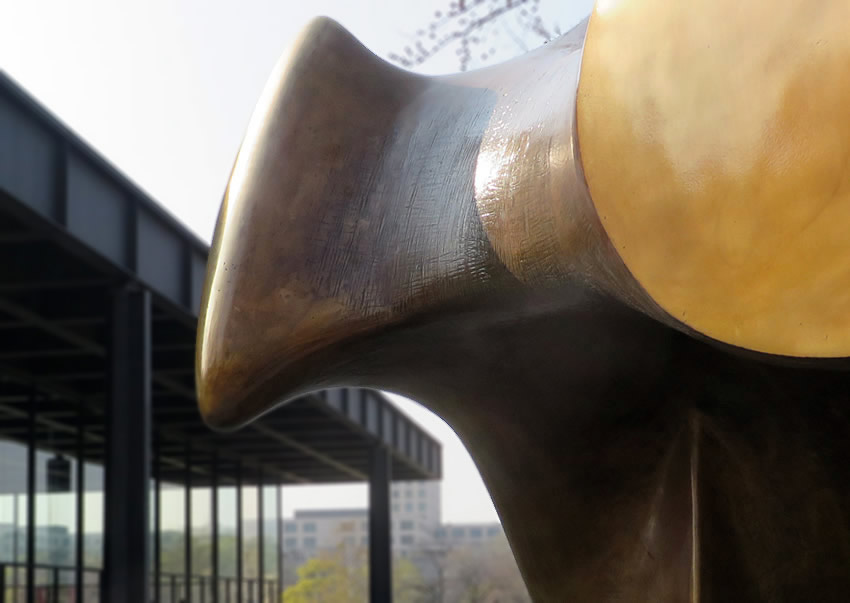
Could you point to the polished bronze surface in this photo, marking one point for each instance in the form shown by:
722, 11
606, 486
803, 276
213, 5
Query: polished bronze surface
726, 124
437, 237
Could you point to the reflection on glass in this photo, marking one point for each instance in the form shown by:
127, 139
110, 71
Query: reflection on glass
249, 542
227, 543
172, 541
201, 544
269, 527
55, 515
13, 513
93, 516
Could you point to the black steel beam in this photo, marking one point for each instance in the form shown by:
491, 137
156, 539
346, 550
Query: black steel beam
128, 459
157, 535
187, 520
214, 522
239, 543
31, 459
380, 543
279, 517
260, 536
79, 560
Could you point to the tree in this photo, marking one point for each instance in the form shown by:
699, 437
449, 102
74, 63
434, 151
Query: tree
476, 29
341, 576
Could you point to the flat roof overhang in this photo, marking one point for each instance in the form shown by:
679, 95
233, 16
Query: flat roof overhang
72, 230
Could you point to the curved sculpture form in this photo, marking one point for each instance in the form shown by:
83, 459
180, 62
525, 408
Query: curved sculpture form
618, 266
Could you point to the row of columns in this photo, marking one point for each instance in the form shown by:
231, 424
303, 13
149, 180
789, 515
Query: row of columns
127, 521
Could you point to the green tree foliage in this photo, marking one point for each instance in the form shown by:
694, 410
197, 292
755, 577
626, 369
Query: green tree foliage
342, 576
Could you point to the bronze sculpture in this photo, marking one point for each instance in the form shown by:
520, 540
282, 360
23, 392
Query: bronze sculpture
618, 266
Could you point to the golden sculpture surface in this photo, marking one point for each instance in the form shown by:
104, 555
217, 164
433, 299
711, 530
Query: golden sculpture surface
618, 266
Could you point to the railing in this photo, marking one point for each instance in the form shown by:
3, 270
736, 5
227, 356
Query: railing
172, 589
56, 584
53, 584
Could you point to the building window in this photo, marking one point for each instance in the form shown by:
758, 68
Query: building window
422, 507
407, 539
395, 508
291, 527
475, 533
493, 532
408, 493
290, 543
309, 527
408, 507
395, 493
457, 532
406, 525
421, 492
309, 542
441, 533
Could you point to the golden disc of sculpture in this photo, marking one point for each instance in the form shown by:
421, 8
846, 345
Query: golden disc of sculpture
715, 140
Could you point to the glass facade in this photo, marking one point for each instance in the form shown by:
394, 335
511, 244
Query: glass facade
42, 476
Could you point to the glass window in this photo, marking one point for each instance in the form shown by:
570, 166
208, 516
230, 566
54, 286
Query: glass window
407, 539
269, 527
493, 531
475, 533
395, 507
290, 543
291, 527
440, 532
13, 509
406, 525
249, 518
309, 542
55, 508
172, 538
227, 531
395, 493
201, 533
457, 532
309, 527
408, 507
422, 507
421, 492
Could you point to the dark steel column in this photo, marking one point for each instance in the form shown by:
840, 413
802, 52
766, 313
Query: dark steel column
279, 515
260, 538
214, 523
157, 534
128, 459
187, 519
239, 533
380, 549
80, 560
31, 434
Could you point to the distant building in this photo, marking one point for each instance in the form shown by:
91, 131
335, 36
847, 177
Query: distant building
456, 535
416, 526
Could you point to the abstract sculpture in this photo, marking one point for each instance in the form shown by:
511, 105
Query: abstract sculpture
618, 266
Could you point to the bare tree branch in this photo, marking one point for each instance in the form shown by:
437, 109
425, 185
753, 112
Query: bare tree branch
472, 26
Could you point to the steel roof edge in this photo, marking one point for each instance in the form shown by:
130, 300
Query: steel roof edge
20, 94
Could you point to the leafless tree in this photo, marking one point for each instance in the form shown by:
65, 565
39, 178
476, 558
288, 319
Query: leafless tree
476, 29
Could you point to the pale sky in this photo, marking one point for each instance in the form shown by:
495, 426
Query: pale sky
164, 90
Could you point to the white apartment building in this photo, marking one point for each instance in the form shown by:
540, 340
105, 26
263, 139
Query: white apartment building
416, 525
415, 514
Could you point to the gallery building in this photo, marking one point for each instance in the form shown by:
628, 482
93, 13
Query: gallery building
111, 487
